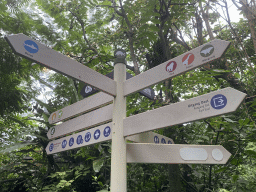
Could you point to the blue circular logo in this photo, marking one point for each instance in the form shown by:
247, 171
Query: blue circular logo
218, 101
163, 141
156, 139
169, 142
107, 131
51, 147
87, 137
79, 139
97, 134
31, 46
64, 143
71, 141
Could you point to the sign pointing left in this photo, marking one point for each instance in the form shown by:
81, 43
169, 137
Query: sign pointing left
43, 55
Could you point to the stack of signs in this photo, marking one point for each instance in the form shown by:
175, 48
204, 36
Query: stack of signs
88, 90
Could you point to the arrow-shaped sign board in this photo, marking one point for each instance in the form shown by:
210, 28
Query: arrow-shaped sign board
87, 90
88, 137
176, 154
85, 121
43, 55
150, 137
183, 63
212, 104
97, 135
83, 106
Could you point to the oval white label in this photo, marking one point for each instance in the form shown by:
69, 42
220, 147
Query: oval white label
193, 154
217, 154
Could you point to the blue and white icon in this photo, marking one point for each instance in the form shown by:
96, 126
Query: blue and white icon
97, 134
79, 139
218, 101
169, 142
31, 46
107, 131
71, 141
156, 139
87, 137
51, 147
64, 143
163, 141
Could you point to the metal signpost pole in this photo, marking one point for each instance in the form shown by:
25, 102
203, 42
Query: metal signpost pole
118, 151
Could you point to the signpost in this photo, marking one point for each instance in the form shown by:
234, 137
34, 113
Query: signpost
85, 121
212, 104
85, 105
122, 128
183, 63
181, 154
87, 90
43, 55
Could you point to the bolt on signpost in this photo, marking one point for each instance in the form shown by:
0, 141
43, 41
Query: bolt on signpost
95, 125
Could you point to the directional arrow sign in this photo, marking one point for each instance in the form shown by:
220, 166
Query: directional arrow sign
85, 105
150, 137
185, 62
88, 137
87, 90
96, 135
212, 104
35, 51
85, 121
182, 154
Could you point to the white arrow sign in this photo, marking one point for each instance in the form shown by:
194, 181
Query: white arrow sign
97, 135
88, 137
85, 121
85, 105
212, 104
150, 137
35, 51
181, 154
183, 63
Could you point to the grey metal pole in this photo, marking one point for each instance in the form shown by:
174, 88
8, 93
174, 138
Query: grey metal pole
118, 153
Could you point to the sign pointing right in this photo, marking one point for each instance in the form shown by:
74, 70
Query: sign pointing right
181, 64
182, 154
212, 104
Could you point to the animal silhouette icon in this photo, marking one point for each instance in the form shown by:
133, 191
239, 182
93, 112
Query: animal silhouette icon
170, 67
186, 61
31, 46
88, 89
120, 53
206, 51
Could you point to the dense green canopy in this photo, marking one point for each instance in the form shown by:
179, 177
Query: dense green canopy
151, 32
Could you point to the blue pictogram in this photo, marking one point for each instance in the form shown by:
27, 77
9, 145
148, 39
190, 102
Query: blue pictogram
97, 134
31, 46
64, 143
79, 139
218, 101
51, 147
107, 131
71, 141
87, 137
156, 139
163, 141
169, 142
